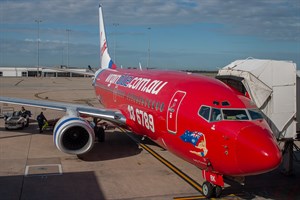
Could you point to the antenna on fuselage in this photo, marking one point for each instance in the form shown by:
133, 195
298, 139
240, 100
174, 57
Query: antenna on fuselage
140, 66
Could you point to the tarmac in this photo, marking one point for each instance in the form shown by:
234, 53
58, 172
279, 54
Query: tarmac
32, 168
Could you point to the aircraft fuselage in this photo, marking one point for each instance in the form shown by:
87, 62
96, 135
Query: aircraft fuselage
178, 111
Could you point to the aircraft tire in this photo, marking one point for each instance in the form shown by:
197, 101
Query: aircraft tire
218, 191
207, 189
100, 134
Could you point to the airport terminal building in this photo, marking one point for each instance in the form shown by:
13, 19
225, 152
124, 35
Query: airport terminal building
34, 71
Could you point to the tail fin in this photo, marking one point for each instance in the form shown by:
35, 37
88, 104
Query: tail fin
105, 60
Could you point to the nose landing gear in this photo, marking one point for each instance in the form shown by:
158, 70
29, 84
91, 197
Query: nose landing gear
213, 184
210, 190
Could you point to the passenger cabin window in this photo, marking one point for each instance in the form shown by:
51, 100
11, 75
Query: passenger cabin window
235, 114
204, 112
162, 107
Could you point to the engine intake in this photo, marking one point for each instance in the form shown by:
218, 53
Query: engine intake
73, 135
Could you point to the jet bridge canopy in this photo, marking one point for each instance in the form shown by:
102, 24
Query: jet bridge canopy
271, 85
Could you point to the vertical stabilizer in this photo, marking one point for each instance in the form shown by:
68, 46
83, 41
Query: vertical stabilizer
105, 60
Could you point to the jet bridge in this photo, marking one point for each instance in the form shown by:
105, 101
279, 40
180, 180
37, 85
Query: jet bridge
275, 88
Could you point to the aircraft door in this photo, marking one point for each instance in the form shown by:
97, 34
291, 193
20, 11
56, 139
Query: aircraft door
173, 109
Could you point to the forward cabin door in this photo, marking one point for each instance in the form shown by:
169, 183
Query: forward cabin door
173, 108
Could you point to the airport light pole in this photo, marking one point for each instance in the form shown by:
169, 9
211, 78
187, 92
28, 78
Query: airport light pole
148, 60
115, 40
68, 32
38, 21
62, 55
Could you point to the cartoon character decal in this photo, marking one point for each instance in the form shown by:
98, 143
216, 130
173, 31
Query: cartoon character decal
197, 139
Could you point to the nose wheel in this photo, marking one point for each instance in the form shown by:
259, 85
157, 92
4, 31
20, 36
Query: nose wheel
209, 190
217, 191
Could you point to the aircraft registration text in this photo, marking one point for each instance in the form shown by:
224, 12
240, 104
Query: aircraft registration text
142, 117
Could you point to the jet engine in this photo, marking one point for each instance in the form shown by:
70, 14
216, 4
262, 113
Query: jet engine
73, 135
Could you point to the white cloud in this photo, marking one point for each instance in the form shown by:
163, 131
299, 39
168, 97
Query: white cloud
270, 20
273, 19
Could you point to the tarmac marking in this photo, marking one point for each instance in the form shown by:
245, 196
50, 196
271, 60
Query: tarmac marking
229, 197
19, 82
177, 171
172, 167
43, 170
189, 198
85, 101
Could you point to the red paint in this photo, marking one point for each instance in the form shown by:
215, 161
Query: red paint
163, 105
181, 112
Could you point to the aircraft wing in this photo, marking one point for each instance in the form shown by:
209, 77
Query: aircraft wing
106, 114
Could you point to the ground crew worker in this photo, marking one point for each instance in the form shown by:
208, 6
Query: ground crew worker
23, 112
41, 119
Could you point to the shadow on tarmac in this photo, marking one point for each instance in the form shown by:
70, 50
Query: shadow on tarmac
116, 145
81, 185
18, 132
272, 185
30, 130
84, 185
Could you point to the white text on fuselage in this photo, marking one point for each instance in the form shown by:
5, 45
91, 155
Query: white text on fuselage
136, 83
143, 118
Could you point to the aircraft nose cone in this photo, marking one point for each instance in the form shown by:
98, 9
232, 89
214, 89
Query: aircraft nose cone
257, 152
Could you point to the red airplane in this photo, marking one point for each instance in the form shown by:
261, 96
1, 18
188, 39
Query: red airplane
202, 120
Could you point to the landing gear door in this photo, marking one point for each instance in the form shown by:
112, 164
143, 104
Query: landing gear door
173, 109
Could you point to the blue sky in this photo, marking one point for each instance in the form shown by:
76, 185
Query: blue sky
184, 34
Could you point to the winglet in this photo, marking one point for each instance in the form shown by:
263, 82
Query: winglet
105, 60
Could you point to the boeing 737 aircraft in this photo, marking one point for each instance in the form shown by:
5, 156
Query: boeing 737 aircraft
202, 120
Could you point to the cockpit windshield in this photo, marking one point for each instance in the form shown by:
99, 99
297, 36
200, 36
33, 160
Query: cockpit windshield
255, 114
212, 114
235, 114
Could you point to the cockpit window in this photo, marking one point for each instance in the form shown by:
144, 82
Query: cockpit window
225, 103
204, 112
215, 115
255, 114
212, 114
235, 114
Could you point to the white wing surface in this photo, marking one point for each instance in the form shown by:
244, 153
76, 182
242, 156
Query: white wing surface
107, 114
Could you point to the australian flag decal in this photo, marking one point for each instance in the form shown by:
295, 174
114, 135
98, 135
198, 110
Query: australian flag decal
191, 137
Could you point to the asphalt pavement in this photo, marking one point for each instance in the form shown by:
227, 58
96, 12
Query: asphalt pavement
32, 168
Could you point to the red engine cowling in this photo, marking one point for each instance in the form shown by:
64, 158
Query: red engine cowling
73, 135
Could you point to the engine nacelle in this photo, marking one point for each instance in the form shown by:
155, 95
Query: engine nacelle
73, 135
